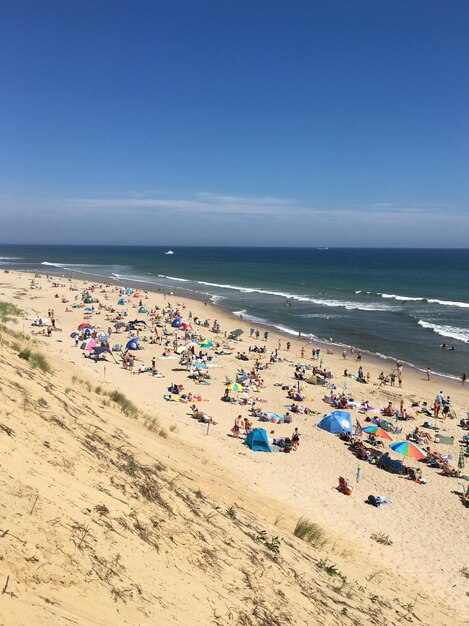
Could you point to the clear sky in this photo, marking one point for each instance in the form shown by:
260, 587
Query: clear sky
231, 122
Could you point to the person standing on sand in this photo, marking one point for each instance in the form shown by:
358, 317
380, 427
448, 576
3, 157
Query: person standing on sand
428, 373
344, 354
463, 379
237, 426
303, 353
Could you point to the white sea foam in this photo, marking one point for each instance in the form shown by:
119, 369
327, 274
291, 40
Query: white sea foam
10, 258
392, 296
349, 305
452, 332
251, 318
182, 280
324, 316
289, 331
216, 299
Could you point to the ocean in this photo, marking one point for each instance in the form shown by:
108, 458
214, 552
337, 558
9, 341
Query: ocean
398, 303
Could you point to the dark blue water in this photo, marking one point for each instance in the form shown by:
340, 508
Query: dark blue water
400, 303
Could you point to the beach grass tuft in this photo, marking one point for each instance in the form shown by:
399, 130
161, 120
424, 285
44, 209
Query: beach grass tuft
39, 360
127, 406
231, 512
382, 538
25, 354
8, 312
465, 572
36, 359
310, 532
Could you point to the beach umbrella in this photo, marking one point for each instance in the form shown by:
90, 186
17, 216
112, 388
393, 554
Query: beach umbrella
409, 449
461, 459
177, 322
143, 309
90, 344
377, 431
207, 344
74, 305
119, 325
84, 325
129, 290
103, 337
137, 294
89, 309
74, 334
236, 387
132, 344
236, 333
121, 302
186, 326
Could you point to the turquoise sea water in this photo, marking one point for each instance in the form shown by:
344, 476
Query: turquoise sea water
401, 303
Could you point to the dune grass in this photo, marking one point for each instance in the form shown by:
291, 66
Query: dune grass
8, 312
126, 406
382, 538
310, 532
36, 359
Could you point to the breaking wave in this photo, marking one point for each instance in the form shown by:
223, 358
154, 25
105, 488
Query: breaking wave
452, 332
393, 296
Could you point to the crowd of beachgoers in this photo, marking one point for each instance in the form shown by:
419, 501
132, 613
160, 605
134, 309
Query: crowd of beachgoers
107, 331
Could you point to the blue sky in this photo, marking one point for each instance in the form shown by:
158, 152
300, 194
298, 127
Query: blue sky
235, 122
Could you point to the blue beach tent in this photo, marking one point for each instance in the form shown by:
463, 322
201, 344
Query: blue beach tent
132, 344
336, 422
257, 441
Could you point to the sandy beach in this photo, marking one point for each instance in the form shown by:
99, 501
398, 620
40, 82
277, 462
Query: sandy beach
425, 522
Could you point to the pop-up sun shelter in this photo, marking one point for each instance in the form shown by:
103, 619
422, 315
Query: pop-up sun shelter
336, 422
132, 344
257, 440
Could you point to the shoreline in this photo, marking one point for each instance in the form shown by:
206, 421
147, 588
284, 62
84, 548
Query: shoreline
374, 358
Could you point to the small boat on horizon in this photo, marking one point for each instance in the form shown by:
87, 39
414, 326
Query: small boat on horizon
169, 252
